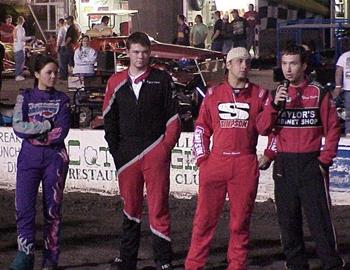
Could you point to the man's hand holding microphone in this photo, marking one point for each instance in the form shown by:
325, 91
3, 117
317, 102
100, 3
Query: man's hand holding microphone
281, 96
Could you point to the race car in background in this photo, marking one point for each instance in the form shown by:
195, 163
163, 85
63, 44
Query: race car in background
192, 70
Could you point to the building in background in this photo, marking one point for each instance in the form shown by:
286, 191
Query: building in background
159, 19
83, 7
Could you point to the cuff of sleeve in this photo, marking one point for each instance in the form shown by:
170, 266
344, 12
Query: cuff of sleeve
270, 154
324, 164
275, 107
48, 125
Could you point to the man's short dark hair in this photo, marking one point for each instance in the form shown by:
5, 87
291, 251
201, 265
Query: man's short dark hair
296, 50
8, 16
70, 18
105, 19
138, 38
217, 13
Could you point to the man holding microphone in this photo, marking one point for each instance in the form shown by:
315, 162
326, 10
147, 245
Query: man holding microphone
300, 114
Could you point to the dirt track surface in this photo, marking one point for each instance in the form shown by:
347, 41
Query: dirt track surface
91, 227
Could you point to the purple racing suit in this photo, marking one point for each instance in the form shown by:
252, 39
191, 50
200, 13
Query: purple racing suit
42, 120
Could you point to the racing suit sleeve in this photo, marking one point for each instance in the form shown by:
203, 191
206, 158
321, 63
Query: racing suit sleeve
22, 127
271, 150
173, 125
266, 119
202, 133
331, 130
61, 123
111, 124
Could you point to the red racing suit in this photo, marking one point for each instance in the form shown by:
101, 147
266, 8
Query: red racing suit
229, 167
141, 134
301, 170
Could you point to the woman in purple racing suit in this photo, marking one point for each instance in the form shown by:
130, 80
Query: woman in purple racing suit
42, 119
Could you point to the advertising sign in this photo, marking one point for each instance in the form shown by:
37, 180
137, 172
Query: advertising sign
92, 168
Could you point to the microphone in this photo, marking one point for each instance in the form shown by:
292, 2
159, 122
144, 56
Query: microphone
285, 84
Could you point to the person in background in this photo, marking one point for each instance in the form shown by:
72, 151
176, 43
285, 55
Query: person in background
228, 116
252, 18
104, 24
342, 84
141, 128
41, 118
199, 33
226, 34
183, 31
84, 58
71, 40
239, 26
6, 30
60, 43
217, 41
19, 42
77, 26
300, 114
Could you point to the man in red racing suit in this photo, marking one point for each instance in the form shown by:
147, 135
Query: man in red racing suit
142, 126
301, 114
228, 113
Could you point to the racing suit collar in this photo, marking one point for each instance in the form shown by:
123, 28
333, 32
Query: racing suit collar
42, 93
239, 90
302, 85
141, 77
298, 90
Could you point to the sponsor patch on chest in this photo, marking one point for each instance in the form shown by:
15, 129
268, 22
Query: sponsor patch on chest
300, 118
234, 115
46, 110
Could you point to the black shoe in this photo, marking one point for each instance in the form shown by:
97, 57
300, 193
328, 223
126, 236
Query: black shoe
22, 261
49, 268
119, 264
167, 266
345, 267
304, 267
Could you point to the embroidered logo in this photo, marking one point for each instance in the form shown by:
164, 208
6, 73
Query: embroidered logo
234, 115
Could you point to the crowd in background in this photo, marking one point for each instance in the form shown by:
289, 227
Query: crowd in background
74, 54
237, 32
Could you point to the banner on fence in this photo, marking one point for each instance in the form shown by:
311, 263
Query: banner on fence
92, 169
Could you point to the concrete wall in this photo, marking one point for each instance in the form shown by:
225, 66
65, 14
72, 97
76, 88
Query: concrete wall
157, 18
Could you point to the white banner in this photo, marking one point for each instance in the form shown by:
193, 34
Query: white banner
92, 169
